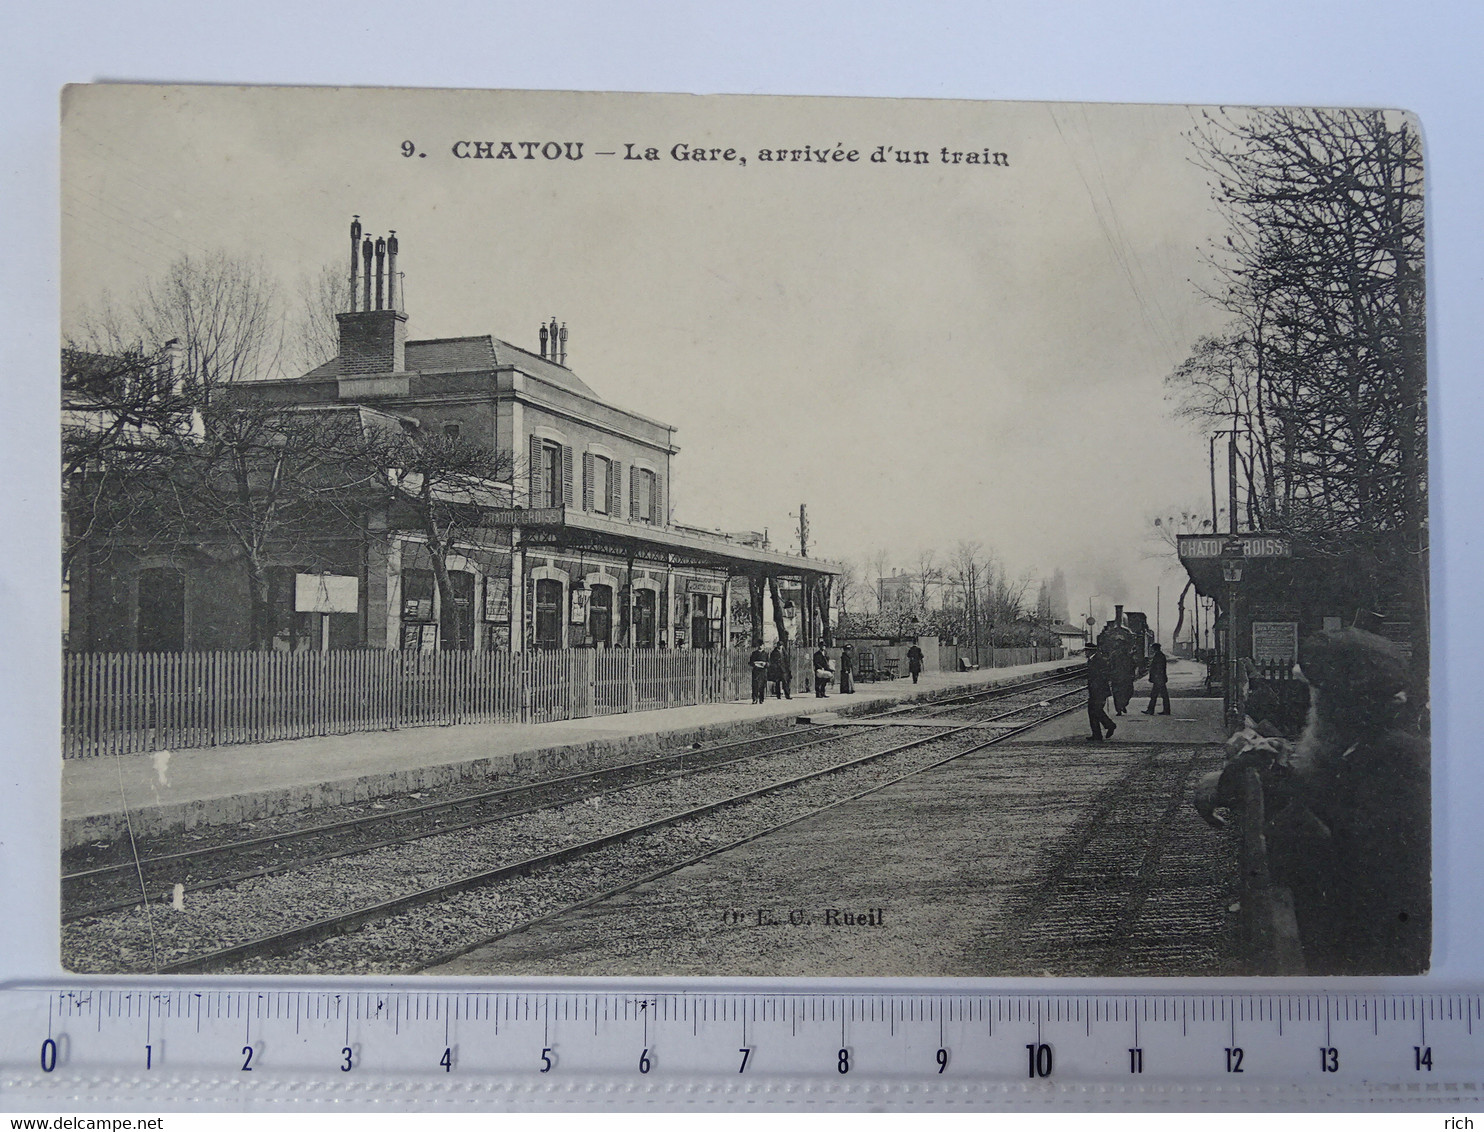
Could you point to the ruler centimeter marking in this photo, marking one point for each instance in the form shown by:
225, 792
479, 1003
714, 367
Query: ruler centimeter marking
1357, 1043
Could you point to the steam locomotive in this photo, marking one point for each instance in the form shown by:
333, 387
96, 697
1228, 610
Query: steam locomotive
1128, 632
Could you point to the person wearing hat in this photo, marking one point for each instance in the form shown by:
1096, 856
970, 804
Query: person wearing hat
1099, 689
758, 662
1159, 680
1352, 836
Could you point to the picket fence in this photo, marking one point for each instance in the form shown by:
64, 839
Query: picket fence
137, 703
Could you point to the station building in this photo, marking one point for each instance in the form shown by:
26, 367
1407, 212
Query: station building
1272, 591
578, 549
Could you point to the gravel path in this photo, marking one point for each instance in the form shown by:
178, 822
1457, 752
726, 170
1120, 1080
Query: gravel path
137, 940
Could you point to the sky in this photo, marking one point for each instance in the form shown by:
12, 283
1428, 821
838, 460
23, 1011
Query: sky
922, 353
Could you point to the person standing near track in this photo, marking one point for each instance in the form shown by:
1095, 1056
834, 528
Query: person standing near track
1159, 680
777, 673
824, 671
1099, 688
758, 662
847, 668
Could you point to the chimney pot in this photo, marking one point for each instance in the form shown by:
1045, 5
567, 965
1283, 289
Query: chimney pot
380, 267
391, 269
366, 252
355, 241
543, 339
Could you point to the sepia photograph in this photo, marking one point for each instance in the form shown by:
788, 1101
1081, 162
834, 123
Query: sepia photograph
573, 534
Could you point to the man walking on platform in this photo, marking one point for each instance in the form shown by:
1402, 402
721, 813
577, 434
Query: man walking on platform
758, 662
914, 661
1159, 680
1098, 691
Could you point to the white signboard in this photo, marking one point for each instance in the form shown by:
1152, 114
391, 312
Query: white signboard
326, 593
1275, 640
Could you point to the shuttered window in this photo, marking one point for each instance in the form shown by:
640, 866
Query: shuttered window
534, 469
643, 495
589, 470
615, 490
566, 499
598, 486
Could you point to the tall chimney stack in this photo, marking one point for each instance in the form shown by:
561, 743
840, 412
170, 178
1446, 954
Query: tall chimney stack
543, 339
366, 273
380, 267
391, 270
1118, 615
373, 334
355, 248
563, 359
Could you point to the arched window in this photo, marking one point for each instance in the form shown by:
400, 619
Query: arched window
548, 613
644, 613
600, 615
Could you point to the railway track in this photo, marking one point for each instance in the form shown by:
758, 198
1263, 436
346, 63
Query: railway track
106, 888
593, 856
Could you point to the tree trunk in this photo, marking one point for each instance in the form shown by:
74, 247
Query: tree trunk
755, 599
261, 628
1180, 618
778, 622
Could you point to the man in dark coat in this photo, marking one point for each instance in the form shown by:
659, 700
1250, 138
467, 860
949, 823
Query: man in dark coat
758, 662
823, 671
1354, 840
1159, 680
778, 672
1098, 691
914, 661
1121, 675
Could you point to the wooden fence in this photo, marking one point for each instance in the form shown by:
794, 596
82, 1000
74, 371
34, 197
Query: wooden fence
136, 703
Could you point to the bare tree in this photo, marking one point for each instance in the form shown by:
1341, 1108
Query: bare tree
115, 406
1324, 366
313, 335
225, 315
448, 484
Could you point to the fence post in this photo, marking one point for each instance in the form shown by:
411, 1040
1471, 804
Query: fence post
523, 671
633, 697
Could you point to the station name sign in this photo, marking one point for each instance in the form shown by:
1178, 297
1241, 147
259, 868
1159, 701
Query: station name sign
527, 516
1253, 546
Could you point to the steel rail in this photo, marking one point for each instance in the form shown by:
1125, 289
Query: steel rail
303, 934
127, 870
590, 901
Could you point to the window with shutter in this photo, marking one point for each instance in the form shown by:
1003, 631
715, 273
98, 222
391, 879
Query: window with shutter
566, 500
589, 480
553, 478
656, 502
634, 474
615, 489
538, 493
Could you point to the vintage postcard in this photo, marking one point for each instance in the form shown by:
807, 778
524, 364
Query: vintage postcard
608, 534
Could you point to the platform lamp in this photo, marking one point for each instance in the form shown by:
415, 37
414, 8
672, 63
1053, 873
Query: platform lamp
1233, 561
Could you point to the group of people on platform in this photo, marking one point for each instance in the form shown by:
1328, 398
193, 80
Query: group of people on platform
771, 671
1112, 676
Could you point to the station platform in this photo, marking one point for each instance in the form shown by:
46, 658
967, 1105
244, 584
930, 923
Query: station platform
104, 798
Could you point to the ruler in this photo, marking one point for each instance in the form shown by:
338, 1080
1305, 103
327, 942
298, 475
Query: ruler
184, 1045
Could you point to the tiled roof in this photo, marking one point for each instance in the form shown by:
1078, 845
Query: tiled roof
478, 352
